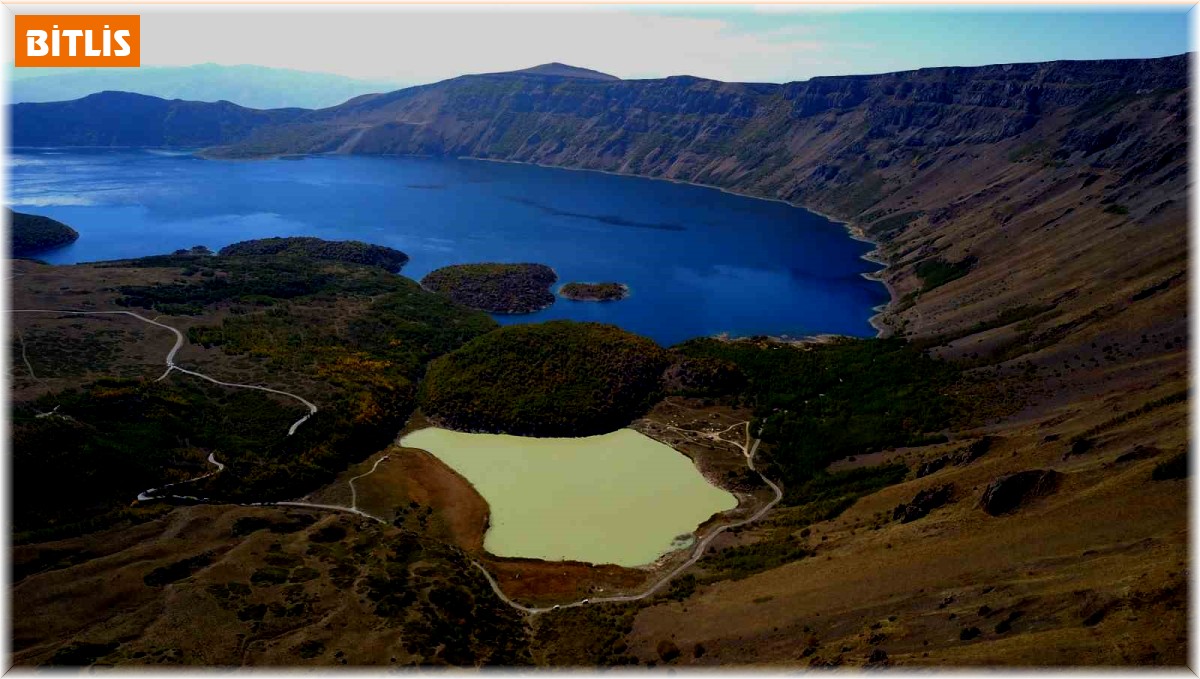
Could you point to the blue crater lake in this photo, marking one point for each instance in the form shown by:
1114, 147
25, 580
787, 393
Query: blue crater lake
698, 261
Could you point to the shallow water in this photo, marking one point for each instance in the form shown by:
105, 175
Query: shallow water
620, 498
698, 261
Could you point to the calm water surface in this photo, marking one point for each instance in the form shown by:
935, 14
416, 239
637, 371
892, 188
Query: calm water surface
698, 261
618, 498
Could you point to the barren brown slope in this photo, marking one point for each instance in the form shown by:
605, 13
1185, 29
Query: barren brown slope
1095, 573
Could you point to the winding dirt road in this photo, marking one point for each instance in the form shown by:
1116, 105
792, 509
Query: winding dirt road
170, 360
155, 493
748, 448
24, 356
353, 490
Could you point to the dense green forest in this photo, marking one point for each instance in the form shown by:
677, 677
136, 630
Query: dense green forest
499, 288
31, 234
77, 468
821, 403
255, 280
550, 379
703, 376
348, 251
404, 326
367, 363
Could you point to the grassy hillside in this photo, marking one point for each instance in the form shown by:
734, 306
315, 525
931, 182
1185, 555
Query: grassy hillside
352, 338
815, 405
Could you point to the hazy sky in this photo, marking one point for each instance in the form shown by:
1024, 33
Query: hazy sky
764, 43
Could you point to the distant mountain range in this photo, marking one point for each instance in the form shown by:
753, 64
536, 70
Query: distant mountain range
251, 86
128, 119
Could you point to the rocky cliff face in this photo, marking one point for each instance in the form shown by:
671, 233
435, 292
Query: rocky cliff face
793, 141
1056, 187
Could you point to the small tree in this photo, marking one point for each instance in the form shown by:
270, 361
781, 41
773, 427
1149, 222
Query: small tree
667, 650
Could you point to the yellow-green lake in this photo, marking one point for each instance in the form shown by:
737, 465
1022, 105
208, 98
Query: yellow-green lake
620, 498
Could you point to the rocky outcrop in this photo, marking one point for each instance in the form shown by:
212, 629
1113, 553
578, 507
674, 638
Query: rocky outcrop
1175, 467
1007, 493
1138, 452
924, 502
877, 658
966, 455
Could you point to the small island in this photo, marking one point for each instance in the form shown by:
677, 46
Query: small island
498, 288
594, 292
33, 234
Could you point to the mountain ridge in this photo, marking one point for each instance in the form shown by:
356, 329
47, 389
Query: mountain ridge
560, 70
908, 158
248, 85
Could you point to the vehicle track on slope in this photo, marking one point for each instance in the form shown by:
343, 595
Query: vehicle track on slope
748, 451
153, 493
170, 359
748, 448
24, 356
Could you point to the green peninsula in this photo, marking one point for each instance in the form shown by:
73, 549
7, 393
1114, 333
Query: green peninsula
33, 234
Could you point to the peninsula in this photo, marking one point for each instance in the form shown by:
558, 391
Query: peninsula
34, 234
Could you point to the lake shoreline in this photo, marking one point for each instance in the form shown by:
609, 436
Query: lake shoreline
767, 299
856, 232
473, 457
